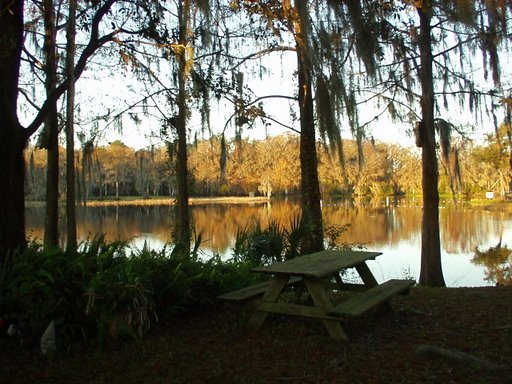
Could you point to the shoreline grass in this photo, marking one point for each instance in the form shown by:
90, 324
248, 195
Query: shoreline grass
138, 201
490, 205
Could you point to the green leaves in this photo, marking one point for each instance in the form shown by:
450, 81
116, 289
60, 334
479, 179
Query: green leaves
273, 244
110, 290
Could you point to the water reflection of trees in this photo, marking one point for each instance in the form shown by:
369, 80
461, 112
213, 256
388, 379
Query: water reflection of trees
220, 223
498, 263
375, 225
377, 222
462, 230
369, 223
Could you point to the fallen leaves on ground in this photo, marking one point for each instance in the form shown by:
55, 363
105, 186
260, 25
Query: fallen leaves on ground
215, 346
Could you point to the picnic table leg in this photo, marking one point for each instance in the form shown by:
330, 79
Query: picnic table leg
320, 298
271, 295
338, 280
369, 280
366, 275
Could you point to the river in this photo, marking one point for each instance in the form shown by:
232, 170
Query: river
390, 225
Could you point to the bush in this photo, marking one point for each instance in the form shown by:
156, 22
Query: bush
257, 246
108, 289
41, 284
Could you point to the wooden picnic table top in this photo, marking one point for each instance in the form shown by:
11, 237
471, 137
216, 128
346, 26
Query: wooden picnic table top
319, 264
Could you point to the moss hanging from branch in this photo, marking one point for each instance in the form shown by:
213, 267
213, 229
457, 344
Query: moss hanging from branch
367, 46
327, 124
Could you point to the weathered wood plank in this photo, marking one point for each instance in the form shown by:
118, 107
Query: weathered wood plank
371, 298
366, 275
277, 284
251, 292
319, 264
323, 302
461, 357
294, 310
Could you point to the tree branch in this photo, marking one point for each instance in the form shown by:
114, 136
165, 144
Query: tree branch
95, 42
257, 55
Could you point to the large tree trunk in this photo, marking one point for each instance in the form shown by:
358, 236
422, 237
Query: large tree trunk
223, 161
508, 122
431, 271
85, 185
182, 231
71, 242
51, 134
12, 135
310, 186
12, 174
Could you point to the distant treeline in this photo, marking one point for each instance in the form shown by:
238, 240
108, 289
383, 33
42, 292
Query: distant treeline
267, 167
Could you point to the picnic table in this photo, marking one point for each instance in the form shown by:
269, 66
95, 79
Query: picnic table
318, 274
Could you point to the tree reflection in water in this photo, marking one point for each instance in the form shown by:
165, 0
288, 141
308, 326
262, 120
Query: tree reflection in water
389, 225
498, 263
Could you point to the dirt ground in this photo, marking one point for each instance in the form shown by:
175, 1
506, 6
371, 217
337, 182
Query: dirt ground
448, 335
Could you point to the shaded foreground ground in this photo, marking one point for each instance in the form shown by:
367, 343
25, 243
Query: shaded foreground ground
215, 347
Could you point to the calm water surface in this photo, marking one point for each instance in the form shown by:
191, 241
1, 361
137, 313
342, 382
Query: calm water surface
391, 226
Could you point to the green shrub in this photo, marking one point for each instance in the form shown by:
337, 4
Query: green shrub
275, 243
258, 246
109, 289
333, 235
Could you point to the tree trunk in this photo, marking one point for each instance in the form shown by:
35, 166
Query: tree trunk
71, 243
182, 232
12, 136
431, 271
51, 133
310, 186
85, 185
508, 123
100, 178
223, 161
12, 174
78, 178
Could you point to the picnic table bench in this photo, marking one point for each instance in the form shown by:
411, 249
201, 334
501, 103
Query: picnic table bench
362, 303
251, 292
319, 273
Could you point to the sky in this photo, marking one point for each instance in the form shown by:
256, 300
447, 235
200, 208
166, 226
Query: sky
111, 92
100, 92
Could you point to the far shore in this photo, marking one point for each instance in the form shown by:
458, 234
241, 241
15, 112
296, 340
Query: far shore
137, 201
486, 204
497, 206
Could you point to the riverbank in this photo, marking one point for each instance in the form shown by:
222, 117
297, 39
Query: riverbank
433, 335
137, 201
498, 206
490, 205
